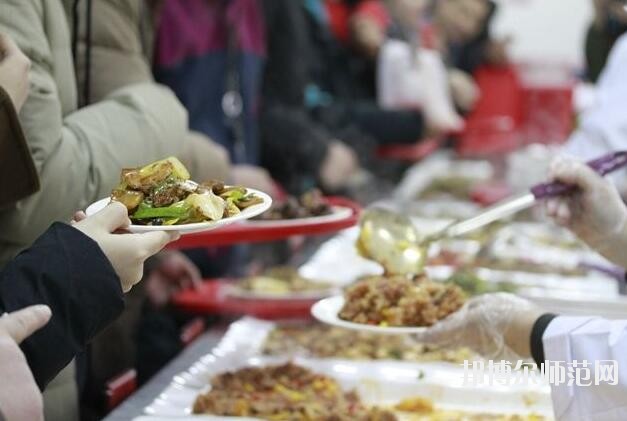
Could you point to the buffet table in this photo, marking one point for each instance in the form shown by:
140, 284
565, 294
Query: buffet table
134, 406
526, 255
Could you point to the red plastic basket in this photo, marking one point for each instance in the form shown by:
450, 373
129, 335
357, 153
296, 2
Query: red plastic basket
495, 123
548, 113
510, 114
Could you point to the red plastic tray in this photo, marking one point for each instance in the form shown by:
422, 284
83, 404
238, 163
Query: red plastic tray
409, 153
243, 233
210, 298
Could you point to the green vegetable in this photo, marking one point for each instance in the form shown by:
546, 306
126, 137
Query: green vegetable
179, 210
234, 195
231, 209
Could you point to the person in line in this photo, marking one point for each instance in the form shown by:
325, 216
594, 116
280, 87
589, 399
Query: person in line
210, 53
610, 22
503, 325
20, 398
18, 176
77, 153
121, 36
602, 126
80, 273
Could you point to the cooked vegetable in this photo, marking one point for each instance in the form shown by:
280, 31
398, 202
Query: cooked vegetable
129, 198
248, 201
148, 177
307, 205
180, 210
231, 209
206, 206
161, 193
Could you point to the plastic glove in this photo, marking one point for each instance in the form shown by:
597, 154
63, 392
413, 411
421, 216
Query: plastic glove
14, 71
496, 326
20, 398
596, 213
126, 252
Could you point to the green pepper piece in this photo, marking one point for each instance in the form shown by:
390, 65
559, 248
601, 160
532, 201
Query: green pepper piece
179, 210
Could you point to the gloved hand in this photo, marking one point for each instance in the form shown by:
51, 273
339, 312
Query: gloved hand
126, 252
20, 398
596, 213
496, 326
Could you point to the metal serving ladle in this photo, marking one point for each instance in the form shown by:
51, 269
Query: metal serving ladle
392, 240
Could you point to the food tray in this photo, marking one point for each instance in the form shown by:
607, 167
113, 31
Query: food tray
212, 297
421, 175
380, 383
263, 231
554, 286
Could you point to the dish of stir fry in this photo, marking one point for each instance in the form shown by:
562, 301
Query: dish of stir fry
162, 193
280, 282
424, 409
400, 301
285, 392
308, 205
319, 341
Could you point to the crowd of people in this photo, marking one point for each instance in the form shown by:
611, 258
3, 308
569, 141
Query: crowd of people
278, 95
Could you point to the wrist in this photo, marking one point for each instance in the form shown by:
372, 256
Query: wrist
613, 245
520, 330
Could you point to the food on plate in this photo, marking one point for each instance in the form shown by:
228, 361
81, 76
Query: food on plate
281, 281
458, 187
284, 392
308, 205
473, 285
400, 301
162, 193
423, 409
321, 341
417, 404
529, 266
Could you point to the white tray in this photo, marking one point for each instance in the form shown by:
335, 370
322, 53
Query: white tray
377, 382
420, 176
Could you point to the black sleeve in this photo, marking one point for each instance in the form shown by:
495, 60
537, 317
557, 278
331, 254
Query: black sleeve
67, 271
286, 70
539, 327
293, 147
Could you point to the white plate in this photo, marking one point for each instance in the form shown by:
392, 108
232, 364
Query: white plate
237, 292
338, 213
247, 213
327, 311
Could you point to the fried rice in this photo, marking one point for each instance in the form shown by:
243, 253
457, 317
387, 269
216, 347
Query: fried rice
400, 301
